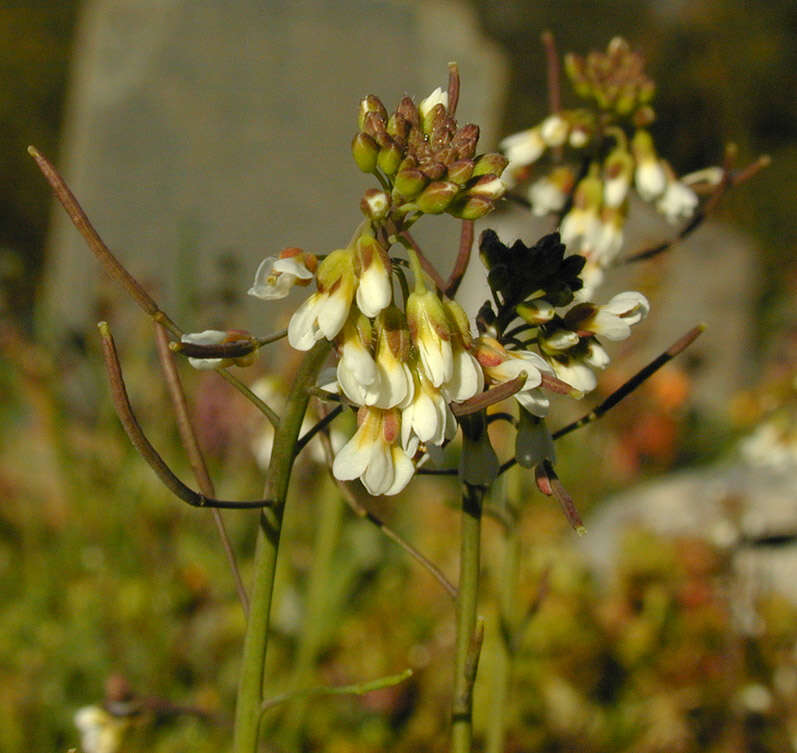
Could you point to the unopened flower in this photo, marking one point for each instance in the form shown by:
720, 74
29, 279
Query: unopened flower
275, 277
575, 372
324, 313
374, 455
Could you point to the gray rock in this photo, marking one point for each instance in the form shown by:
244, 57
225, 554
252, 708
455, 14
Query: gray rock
204, 135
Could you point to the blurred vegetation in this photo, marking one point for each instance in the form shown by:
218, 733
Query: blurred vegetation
102, 573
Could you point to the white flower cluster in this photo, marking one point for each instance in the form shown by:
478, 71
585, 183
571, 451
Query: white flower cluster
404, 368
593, 226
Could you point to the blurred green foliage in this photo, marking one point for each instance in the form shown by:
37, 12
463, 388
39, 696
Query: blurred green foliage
103, 573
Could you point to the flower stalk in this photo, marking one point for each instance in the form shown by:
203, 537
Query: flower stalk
467, 600
250, 687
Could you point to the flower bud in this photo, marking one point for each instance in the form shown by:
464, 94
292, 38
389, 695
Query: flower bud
490, 164
437, 197
389, 158
370, 104
409, 182
461, 171
471, 207
465, 140
487, 187
364, 149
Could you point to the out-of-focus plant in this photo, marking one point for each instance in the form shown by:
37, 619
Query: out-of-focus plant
407, 360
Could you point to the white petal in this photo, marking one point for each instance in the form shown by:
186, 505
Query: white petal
291, 266
554, 130
534, 401
303, 330
208, 337
437, 359
576, 374
650, 179
524, 147
467, 377
354, 457
359, 362
379, 474
374, 291
403, 471
632, 306
333, 313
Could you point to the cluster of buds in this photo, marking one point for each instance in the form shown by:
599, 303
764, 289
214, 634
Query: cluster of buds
424, 162
599, 152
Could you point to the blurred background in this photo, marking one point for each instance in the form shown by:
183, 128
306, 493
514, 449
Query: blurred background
201, 137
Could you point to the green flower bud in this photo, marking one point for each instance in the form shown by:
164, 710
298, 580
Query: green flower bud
461, 171
409, 183
492, 163
389, 159
437, 197
465, 140
488, 187
369, 104
398, 128
365, 151
471, 207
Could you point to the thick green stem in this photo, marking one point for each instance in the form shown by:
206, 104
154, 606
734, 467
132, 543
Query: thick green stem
468, 594
250, 685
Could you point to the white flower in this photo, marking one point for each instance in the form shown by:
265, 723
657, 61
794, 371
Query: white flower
575, 373
324, 313
395, 382
546, 196
218, 337
431, 336
650, 179
357, 373
581, 229
554, 130
678, 202
501, 365
427, 418
99, 731
375, 288
373, 455
610, 238
274, 277
467, 377
614, 319
595, 356
521, 149
650, 176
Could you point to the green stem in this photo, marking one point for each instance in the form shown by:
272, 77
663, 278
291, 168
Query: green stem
501, 664
468, 593
250, 685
